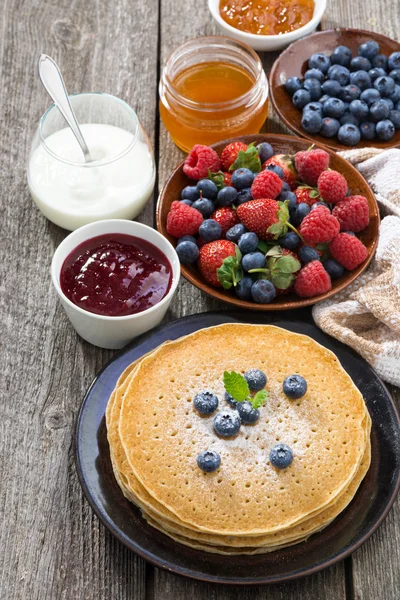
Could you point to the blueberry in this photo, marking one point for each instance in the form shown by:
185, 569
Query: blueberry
395, 75
275, 169
311, 122
230, 400
256, 379
263, 291
248, 414
376, 72
359, 109
290, 197
227, 423
361, 79
248, 242
378, 111
319, 61
187, 202
210, 230
265, 151
349, 93
190, 192
370, 96
333, 108
322, 203
294, 386
290, 240
367, 130
242, 178
313, 87
348, 118
325, 97
227, 196
281, 456
302, 209
205, 402
369, 49
394, 116
308, 254
243, 288
384, 85
186, 238
394, 61
349, 134
314, 74
334, 269
188, 252
350, 233
359, 63
253, 260
380, 61
301, 98
329, 127
285, 187
204, 206
340, 74
389, 103
233, 234
313, 107
207, 188
341, 56
397, 105
243, 196
331, 87
293, 84
385, 130
396, 94
208, 461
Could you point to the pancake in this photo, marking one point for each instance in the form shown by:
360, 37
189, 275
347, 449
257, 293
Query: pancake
327, 430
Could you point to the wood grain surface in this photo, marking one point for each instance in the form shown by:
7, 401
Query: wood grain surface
51, 545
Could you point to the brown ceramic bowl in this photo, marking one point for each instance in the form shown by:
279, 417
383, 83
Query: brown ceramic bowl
282, 144
293, 63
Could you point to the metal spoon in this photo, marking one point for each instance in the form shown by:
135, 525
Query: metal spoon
52, 80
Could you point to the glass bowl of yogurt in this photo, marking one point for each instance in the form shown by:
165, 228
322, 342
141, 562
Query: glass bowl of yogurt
118, 181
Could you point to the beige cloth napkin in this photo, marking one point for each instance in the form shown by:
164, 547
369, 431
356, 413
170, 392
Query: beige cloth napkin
366, 315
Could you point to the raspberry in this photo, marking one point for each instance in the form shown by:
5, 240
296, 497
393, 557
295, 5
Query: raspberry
332, 186
230, 154
183, 220
310, 164
226, 217
312, 280
259, 215
352, 213
266, 185
201, 159
319, 226
228, 179
348, 250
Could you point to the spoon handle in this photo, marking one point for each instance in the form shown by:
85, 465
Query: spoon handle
52, 80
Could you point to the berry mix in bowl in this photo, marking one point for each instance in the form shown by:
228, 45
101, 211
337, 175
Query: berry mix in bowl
341, 88
267, 222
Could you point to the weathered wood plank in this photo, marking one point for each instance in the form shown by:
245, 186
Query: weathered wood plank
52, 546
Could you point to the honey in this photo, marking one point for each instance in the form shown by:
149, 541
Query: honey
220, 93
267, 17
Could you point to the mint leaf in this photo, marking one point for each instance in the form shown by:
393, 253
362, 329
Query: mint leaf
218, 178
248, 159
259, 399
236, 386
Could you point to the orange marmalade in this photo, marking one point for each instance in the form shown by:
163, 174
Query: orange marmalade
267, 17
211, 89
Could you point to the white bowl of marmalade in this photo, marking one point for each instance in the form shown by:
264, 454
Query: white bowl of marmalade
267, 25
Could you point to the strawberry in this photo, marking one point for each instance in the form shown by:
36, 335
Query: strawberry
282, 269
226, 217
307, 194
230, 154
211, 258
286, 164
310, 164
259, 215
227, 179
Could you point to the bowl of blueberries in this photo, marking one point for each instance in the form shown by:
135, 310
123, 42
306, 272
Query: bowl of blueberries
340, 88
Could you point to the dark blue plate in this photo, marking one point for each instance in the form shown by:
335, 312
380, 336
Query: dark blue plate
349, 530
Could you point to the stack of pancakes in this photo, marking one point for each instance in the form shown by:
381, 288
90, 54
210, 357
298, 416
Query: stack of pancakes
246, 506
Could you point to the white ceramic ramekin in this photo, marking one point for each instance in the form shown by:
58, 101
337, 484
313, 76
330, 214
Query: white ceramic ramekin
268, 43
113, 332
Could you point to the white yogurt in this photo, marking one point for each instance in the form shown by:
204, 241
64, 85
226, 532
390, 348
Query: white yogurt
72, 195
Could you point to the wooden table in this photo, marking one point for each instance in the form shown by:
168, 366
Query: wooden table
51, 545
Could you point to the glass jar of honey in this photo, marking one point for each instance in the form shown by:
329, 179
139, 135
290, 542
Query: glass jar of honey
212, 88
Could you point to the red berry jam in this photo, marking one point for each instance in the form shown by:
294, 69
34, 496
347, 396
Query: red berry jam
116, 275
